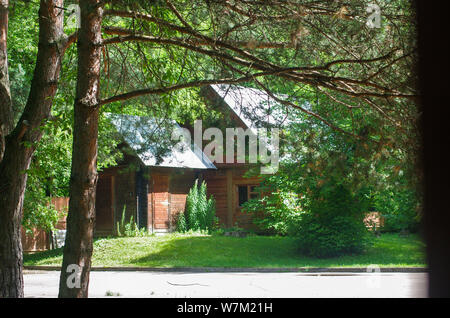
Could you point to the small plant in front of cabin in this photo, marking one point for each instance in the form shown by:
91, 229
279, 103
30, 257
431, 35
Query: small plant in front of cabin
129, 229
120, 227
181, 223
200, 212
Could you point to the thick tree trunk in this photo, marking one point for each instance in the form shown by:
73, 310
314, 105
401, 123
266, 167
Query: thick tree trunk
20, 144
83, 181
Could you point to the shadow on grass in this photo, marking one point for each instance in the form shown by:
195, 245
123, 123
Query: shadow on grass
220, 251
43, 258
53, 257
271, 252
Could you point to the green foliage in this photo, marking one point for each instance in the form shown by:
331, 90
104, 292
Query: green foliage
334, 225
337, 180
211, 221
181, 223
400, 209
277, 213
129, 229
340, 235
22, 50
132, 229
200, 212
48, 176
334, 199
327, 221
38, 211
319, 197
192, 211
120, 226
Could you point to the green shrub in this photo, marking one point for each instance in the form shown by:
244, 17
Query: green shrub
211, 221
333, 224
191, 211
399, 208
120, 226
181, 223
200, 212
277, 213
338, 236
38, 210
129, 229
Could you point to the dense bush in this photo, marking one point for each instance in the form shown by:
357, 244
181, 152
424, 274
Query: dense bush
277, 213
333, 225
181, 225
328, 221
200, 212
338, 236
38, 212
399, 208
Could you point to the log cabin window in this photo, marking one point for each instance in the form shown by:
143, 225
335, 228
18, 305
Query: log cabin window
247, 192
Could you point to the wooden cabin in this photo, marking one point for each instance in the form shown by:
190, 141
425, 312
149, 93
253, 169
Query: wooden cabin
154, 191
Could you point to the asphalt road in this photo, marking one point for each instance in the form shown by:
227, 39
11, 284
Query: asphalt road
236, 285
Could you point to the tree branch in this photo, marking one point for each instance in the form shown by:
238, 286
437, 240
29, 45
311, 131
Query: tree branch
164, 90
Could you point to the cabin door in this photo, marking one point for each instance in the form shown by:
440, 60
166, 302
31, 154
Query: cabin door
160, 202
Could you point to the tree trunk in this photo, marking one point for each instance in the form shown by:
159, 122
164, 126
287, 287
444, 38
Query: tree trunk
20, 144
83, 181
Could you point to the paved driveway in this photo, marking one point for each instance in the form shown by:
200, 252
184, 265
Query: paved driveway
258, 285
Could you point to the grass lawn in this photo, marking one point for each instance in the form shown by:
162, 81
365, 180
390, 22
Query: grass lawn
177, 250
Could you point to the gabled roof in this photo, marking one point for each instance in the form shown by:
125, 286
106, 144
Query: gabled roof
150, 139
255, 107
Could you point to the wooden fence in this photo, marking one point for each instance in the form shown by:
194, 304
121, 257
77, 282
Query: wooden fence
40, 240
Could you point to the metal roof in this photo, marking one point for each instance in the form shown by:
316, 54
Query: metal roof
150, 138
255, 107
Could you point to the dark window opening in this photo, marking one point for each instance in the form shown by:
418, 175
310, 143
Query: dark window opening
243, 194
247, 192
